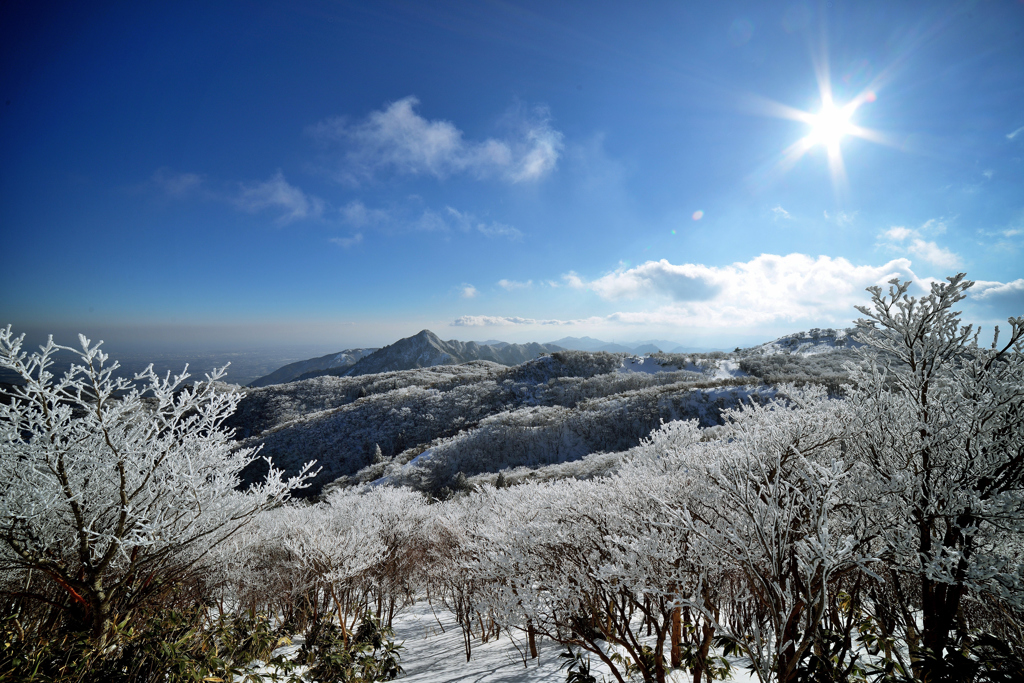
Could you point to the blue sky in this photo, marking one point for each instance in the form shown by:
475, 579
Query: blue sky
350, 173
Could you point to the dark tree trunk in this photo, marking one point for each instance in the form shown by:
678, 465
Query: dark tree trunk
677, 636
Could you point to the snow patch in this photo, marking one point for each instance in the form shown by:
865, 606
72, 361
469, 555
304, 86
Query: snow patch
712, 369
650, 365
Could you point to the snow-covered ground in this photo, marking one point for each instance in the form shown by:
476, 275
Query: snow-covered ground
650, 365
728, 368
714, 369
433, 656
432, 652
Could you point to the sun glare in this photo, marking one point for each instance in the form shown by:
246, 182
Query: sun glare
828, 128
830, 125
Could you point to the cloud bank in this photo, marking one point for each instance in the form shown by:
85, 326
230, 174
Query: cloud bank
767, 290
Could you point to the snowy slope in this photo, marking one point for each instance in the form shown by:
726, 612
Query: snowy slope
294, 371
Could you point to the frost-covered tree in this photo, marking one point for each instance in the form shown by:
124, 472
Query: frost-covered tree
588, 564
778, 504
112, 488
943, 431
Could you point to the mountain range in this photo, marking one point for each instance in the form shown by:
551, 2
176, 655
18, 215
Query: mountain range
426, 349
421, 350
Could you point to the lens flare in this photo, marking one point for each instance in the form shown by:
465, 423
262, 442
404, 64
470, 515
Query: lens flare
697, 215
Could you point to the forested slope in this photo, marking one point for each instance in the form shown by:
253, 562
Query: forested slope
424, 427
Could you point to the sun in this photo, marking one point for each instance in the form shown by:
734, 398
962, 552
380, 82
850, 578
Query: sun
827, 128
830, 125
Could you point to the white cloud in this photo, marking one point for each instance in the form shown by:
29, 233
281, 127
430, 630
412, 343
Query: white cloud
571, 279
347, 242
498, 230
934, 254
1015, 133
467, 291
176, 184
277, 193
898, 233
897, 239
936, 226
840, 218
467, 222
510, 285
988, 173
986, 290
431, 221
539, 154
686, 282
1003, 298
398, 139
356, 214
780, 212
766, 289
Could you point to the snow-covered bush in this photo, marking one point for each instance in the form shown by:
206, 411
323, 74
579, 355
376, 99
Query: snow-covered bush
777, 504
111, 489
359, 550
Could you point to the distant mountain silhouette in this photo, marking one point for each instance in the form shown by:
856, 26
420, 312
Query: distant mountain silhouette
312, 367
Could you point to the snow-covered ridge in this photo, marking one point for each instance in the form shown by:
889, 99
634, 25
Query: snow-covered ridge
812, 342
426, 349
